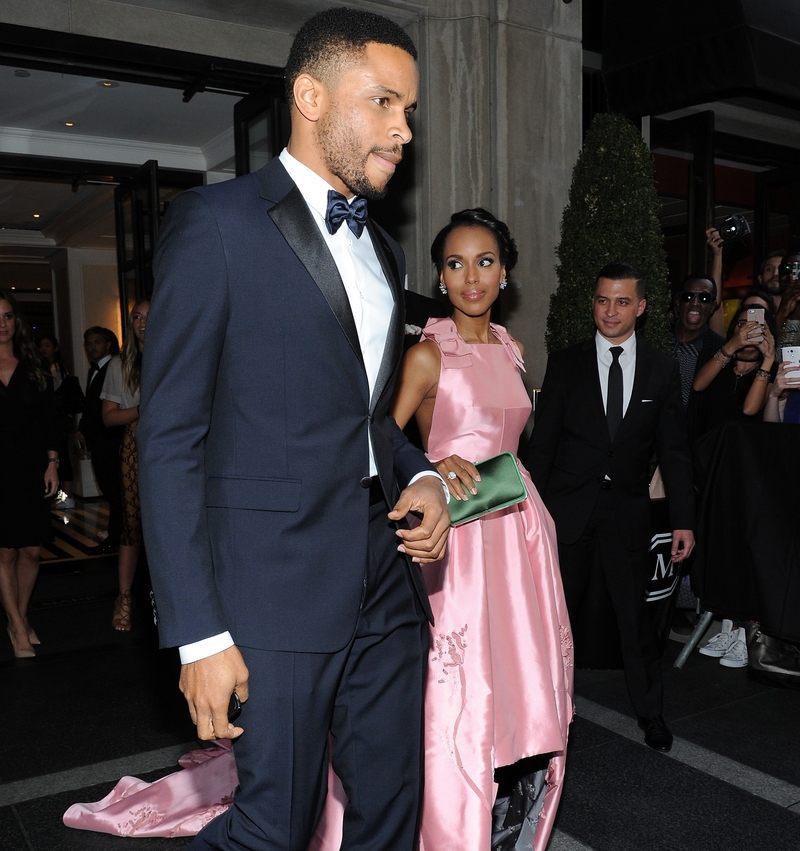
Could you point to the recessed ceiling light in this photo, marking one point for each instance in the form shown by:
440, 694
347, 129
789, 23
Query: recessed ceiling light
108, 84
21, 73
69, 123
36, 215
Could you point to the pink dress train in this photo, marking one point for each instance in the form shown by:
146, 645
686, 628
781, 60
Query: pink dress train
179, 804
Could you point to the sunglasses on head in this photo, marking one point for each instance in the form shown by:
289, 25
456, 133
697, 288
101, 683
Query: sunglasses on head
702, 297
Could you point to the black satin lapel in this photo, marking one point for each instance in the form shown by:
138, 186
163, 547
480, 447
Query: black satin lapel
293, 219
595, 410
394, 336
639, 381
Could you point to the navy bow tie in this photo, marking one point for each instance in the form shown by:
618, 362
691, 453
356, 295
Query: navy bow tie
338, 210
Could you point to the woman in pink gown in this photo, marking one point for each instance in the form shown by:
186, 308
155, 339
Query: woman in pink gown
499, 685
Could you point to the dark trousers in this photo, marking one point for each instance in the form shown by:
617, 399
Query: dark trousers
626, 575
368, 697
105, 463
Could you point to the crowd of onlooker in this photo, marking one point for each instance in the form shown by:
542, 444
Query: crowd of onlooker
749, 369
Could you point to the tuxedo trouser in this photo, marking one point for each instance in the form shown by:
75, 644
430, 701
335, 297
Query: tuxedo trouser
106, 467
626, 574
368, 697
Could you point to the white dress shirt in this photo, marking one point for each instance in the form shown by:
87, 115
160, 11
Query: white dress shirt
627, 362
371, 302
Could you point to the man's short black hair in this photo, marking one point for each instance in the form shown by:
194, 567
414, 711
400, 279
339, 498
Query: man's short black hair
329, 38
700, 276
621, 272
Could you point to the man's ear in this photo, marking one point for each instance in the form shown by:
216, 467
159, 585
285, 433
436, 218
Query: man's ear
641, 307
310, 97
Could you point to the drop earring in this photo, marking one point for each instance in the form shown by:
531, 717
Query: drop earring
503, 283
442, 288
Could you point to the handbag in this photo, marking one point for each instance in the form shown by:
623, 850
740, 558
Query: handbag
501, 485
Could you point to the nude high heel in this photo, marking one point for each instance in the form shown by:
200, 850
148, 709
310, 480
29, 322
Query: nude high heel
20, 652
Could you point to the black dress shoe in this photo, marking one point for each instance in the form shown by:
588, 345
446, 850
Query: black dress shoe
656, 733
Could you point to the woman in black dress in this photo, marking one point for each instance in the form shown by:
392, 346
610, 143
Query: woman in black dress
29, 461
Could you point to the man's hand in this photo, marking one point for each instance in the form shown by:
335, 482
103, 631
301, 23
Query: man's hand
427, 542
683, 537
208, 685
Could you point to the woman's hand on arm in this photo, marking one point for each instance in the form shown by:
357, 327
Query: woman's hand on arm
459, 474
113, 415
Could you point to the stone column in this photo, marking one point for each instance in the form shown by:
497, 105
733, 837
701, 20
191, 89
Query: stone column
501, 115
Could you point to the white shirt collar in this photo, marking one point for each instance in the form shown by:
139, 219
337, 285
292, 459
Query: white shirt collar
313, 188
103, 361
603, 346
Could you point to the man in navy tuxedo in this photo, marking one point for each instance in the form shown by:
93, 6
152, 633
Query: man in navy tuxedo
274, 483
605, 405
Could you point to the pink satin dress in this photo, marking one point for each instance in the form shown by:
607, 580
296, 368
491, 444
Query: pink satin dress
501, 662
179, 804
500, 677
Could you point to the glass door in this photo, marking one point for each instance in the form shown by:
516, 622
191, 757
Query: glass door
260, 126
136, 206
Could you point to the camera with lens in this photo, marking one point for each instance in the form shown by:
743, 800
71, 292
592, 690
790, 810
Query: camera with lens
733, 227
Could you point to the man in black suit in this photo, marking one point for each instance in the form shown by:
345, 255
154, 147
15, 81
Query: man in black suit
274, 487
103, 442
605, 405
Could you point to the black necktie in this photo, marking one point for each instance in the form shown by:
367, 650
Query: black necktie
338, 210
614, 398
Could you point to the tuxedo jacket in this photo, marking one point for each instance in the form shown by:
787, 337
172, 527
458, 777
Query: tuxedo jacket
91, 422
255, 421
570, 452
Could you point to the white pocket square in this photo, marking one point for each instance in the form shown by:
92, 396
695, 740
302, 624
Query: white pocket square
647, 400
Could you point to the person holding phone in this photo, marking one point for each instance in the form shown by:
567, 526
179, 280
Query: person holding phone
783, 400
787, 317
733, 381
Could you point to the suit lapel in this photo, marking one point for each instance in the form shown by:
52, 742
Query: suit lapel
394, 335
293, 219
595, 410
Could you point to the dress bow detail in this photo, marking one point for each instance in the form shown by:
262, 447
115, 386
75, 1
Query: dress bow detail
455, 352
339, 210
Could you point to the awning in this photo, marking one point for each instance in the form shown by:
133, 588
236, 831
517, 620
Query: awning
671, 54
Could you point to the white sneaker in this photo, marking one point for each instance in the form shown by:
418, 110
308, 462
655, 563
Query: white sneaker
736, 657
718, 645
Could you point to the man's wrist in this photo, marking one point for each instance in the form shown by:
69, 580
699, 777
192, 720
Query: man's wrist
433, 473
204, 648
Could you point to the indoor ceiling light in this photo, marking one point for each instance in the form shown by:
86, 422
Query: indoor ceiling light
69, 123
21, 73
108, 84
36, 215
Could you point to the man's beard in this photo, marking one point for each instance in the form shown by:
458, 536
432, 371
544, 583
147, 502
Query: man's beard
345, 157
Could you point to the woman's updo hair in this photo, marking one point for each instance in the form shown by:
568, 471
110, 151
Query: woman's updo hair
477, 217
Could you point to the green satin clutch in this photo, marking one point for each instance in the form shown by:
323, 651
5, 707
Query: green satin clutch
501, 485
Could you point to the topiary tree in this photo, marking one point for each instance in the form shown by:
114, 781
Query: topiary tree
612, 215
